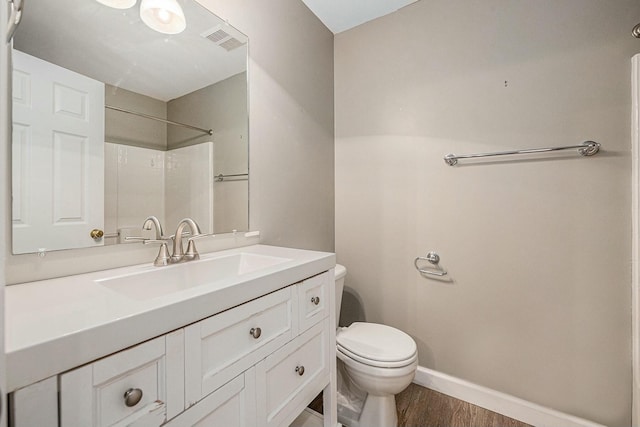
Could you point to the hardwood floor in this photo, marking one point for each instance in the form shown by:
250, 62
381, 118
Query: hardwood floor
420, 407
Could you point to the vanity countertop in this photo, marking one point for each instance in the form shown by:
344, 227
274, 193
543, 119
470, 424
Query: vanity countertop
55, 325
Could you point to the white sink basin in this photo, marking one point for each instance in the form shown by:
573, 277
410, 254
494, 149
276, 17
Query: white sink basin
166, 280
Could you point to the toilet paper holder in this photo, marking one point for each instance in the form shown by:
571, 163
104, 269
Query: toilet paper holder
434, 259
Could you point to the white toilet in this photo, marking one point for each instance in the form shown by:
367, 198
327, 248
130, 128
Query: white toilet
379, 359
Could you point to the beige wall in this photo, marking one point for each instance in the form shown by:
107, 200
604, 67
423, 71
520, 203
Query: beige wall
291, 132
538, 250
129, 129
223, 108
291, 125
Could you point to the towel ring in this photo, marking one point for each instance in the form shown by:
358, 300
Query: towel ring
434, 259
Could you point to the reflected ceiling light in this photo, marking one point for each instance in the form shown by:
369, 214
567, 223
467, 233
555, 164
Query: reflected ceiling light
118, 4
164, 16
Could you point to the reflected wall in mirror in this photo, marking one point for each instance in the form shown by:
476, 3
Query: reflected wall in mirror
114, 121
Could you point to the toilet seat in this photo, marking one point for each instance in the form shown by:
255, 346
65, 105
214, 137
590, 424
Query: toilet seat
375, 363
376, 345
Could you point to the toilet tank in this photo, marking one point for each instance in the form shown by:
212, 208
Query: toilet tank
340, 273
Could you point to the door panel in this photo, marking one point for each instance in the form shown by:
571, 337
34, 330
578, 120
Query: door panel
58, 145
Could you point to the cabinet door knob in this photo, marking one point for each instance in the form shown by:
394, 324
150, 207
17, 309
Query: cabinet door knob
315, 300
300, 370
255, 332
132, 397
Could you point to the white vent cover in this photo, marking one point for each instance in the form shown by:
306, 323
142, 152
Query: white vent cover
225, 36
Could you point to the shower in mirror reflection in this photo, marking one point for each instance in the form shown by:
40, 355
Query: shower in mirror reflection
164, 16
187, 78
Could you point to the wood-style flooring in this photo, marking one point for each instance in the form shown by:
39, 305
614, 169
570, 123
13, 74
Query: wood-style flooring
418, 406
421, 407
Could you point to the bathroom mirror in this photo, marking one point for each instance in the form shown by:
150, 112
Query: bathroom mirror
114, 121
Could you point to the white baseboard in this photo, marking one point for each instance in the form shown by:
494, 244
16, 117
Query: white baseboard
496, 401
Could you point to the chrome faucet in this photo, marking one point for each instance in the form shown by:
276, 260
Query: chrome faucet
163, 254
152, 220
178, 254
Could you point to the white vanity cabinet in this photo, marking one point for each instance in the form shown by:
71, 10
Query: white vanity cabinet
313, 298
219, 348
257, 364
140, 386
292, 376
233, 404
283, 340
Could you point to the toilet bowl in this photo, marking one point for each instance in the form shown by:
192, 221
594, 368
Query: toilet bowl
378, 359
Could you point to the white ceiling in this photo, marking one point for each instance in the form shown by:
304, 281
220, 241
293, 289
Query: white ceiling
341, 15
115, 47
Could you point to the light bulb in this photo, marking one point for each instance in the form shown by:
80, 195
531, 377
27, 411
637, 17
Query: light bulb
164, 16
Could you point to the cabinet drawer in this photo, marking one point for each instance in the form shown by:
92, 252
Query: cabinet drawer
96, 394
313, 300
221, 347
232, 405
291, 377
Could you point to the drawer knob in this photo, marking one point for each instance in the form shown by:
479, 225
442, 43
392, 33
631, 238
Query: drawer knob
132, 397
315, 300
255, 332
300, 370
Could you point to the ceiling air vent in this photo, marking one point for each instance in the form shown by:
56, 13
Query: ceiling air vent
225, 36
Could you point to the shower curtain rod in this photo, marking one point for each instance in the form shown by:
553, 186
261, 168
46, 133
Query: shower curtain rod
587, 148
147, 116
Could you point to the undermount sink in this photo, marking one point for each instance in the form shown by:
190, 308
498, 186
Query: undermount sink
166, 280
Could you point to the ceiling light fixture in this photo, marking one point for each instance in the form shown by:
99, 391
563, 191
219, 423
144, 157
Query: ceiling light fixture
164, 16
118, 4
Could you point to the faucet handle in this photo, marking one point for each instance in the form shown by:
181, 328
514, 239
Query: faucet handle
185, 234
191, 253
161, 241
200, 236
163, 257
163, 254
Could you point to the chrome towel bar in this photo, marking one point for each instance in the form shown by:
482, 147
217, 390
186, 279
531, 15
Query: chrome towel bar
238, 176
587, 148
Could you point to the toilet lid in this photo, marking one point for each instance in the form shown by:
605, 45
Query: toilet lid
376, 342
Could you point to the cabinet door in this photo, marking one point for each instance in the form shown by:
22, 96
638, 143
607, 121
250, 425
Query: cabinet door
136, 387
232, 405
221, 347
35, 405
291, 377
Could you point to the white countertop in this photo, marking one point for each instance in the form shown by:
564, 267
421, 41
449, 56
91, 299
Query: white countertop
57, 324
